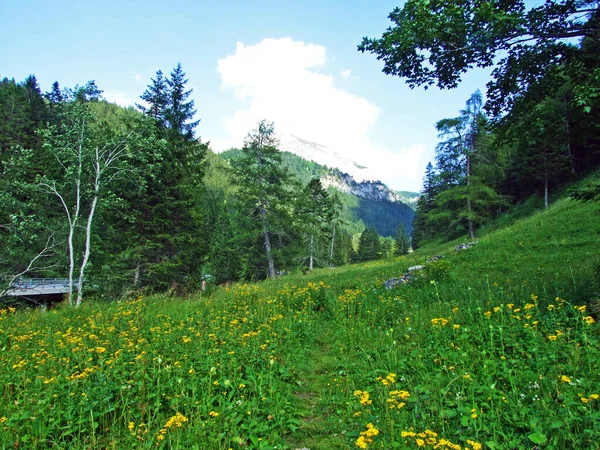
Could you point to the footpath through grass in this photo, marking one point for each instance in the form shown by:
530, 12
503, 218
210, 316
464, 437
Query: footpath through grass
493, 347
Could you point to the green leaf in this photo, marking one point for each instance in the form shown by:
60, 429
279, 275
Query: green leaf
537, 438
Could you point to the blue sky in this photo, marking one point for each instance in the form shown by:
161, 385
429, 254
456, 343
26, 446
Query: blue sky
294, 63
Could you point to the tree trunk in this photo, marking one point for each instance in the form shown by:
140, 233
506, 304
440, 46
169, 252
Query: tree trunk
331, 250
87, 251
136, 274
271, 264
469, 208
88, 232
311, 259
546, 203
568, 132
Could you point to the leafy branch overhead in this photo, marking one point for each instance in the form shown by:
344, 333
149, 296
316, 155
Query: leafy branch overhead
435, 42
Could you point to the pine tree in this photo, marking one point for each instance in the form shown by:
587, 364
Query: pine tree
180, 112
315, 213
401, 241
262, 184
463, 200
156, 97
369, 247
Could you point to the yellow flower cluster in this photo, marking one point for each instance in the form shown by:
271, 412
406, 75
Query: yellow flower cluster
363, 397
589, 320
388, 380
439, 322
84, 373
397, 399
591, 397
430, 438
175, 421
367, 436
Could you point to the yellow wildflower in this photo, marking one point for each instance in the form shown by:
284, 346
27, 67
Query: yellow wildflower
565, 379
176, 421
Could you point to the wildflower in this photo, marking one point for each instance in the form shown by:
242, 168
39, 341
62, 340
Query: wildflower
390, 379
363, 397
131, 426
439, 322
213, 414
565, 379
589, 320
474, 413
487, 314
100, 349
176, 421
475, 445
367, 436
551, 307
594, 396
420, 442
3, 419
552, 337
456, 326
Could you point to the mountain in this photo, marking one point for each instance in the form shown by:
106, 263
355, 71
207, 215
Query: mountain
409, 198
323, 155
364, 203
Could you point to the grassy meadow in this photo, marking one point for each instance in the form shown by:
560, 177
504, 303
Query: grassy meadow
495, 347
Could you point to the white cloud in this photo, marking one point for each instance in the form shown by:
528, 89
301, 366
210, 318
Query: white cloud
137, 77
284, 81
121, 98
346, 73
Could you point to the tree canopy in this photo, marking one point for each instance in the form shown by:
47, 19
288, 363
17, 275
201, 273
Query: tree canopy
435, 42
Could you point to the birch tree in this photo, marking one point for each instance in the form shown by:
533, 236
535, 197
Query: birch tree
87, 167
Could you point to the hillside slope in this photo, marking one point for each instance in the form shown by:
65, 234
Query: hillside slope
364, 204
494, 347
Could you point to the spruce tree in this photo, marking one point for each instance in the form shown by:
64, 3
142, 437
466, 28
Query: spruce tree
369, 247
262, 184
401, 241
180, 111
315, 213
156, 97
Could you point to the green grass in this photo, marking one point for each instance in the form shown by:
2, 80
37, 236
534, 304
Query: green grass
490, 347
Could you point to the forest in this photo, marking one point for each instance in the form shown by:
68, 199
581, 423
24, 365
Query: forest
538, 126
130, 199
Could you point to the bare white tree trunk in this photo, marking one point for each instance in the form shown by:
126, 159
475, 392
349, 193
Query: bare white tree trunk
267, 236
312, 252
88, 230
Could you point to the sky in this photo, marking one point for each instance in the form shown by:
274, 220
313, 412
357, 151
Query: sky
293, 63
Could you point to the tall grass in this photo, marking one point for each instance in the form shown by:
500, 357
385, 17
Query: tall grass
491, 347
